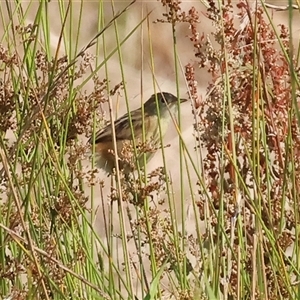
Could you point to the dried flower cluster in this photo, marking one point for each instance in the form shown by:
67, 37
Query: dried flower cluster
251, 117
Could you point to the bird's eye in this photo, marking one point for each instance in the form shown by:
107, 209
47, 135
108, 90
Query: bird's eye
162, 99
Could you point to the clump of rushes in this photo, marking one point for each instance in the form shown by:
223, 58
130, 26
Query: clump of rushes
249, 125
40, 173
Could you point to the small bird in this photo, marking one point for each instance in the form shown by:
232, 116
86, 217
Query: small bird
146, 133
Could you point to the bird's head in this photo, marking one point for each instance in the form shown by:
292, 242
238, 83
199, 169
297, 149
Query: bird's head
164, 100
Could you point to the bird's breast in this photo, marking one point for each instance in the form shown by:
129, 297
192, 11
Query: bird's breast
161, 126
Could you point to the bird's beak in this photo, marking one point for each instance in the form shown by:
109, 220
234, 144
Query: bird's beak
183, 100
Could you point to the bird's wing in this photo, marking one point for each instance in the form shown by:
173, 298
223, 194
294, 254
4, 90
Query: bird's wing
122, 128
